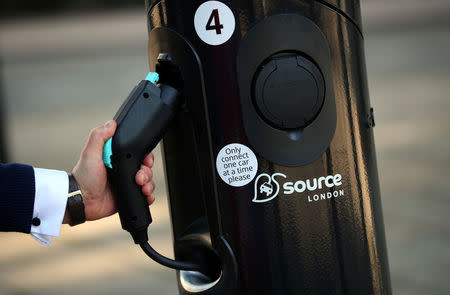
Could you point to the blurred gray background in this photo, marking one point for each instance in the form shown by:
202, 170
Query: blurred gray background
66, 66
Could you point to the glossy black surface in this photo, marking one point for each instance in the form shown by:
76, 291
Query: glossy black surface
292, 244
3, 157
350, 9
142, 121
275, 35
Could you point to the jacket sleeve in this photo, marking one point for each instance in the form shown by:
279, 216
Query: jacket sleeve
17, 193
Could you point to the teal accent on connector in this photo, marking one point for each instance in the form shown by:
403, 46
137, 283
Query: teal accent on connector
152, 77
107, 153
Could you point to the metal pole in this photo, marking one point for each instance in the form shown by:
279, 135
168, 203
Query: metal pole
3, 156
271, 166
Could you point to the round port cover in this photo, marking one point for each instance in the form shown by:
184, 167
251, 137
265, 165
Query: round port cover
288, 91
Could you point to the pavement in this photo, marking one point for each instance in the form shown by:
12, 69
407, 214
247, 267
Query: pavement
60, 79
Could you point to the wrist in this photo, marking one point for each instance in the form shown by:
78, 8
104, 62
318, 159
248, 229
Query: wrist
75, 209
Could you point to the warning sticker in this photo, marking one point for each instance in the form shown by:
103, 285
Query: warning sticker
236, 164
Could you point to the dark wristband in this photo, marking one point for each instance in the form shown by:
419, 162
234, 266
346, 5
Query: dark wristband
75, 205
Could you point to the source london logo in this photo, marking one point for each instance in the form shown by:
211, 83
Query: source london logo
268, 187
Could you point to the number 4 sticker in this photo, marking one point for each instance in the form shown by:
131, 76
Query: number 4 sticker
214, 17
214, 22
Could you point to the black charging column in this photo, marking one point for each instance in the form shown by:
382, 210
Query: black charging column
3, 156
277, 88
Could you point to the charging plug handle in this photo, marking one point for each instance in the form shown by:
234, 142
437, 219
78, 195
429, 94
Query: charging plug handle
142, 121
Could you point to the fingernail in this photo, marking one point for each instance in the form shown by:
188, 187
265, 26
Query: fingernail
108, 124
144, 178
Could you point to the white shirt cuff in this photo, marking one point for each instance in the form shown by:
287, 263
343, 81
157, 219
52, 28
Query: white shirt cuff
50, 202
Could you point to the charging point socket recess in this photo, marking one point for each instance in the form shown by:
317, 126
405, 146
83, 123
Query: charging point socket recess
286, 90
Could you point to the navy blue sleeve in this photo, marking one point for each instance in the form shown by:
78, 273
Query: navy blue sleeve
17, 191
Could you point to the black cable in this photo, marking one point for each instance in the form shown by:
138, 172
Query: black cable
182, 265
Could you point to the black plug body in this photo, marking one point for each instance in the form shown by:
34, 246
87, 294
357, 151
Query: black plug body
141, 123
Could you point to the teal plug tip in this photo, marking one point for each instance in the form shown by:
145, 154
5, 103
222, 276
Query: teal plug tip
107, 153
152, 77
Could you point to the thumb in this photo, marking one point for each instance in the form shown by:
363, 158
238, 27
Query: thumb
98, 137
110, 128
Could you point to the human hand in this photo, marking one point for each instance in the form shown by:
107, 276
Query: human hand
91, 176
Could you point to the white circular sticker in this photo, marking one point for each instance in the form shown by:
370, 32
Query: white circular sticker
214, 22
236, 164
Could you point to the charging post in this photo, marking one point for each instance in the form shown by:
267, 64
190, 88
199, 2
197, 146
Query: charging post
270, 163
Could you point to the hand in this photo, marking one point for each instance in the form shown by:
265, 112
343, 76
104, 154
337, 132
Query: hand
91, 176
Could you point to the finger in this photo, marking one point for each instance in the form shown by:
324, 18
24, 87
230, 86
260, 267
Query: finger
149, 160
110, 128
148, 172
144, 175
153, 186
151, 199
147, 189
97, 138
141, 178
